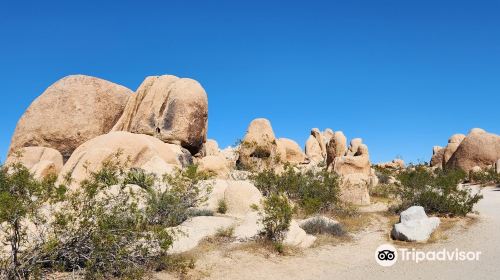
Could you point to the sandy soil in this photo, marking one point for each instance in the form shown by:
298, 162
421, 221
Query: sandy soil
355, 260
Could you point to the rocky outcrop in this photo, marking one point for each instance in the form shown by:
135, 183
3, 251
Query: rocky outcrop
258, 149
290, 151
141, 151
452, 146
69, 112
353, 146
313, 150
175, 110
395, 164
414, 225
358, 163
41, 161
437, 157
336, 148
479, 148
319, 137
210, 148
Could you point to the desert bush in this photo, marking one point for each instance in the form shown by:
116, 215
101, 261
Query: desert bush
139, 177
385, 190
320, 226
383, 174
486, 177
21, 199
221, 206
438, 192
276, 217
314, 191
195, 212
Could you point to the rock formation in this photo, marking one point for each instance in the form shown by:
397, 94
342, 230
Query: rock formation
479, 148
175, 110
69, 112
313, 150
41, 161
290, 151
336, 148
141, 151
395, 164
437, 157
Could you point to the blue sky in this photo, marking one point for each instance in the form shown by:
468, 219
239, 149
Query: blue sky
403, 75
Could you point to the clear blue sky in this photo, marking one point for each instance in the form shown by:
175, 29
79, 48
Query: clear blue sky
403, 75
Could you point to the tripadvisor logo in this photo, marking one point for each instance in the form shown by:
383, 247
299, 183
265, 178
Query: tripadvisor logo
387, 255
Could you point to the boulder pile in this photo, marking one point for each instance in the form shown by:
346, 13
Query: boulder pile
478, 149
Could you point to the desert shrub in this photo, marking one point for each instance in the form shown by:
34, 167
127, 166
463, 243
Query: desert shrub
221, 206
172, 206
195, 212
21, 198
314, 191
320, 226
139, 177
385, 190
225, 233
485, 177
383, 174
276, 217
438, 192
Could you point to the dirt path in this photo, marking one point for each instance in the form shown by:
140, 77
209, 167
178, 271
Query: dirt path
356, 260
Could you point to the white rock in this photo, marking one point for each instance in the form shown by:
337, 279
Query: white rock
414, 225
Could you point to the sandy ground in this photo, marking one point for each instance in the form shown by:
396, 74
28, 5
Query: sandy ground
355, 260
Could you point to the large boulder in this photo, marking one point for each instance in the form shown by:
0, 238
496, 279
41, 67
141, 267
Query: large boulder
41, 161
353, 146
319, 137
71, 111
414, 225
141, 151
175, 110
239, 196
194, 230
358, 163
313, 150
290, 151
218, 165
479, 148
258, 149
210, 148
354, 188
452, 146
437, 157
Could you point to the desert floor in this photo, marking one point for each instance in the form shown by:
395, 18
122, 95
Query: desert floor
356, 259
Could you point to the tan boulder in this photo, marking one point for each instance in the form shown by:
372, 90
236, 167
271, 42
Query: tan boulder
359, 163
210, 148
437, 157
216, 164
313, 149
141, 151
336, 147
497, 166
175, 110
41, 161
452, 146
259, 149
327, 135
240, 196
479, 148
395, 164
354, 188
290, 151
319, 137
353, 146
71, 111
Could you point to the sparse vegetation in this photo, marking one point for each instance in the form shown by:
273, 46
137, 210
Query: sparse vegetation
313, 191
276, 217
438, 192
106, 228
221, 206
318, 225
485, 177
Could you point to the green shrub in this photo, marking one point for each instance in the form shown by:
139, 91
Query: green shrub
221, 206
438, 192
21, 199
485, 177
276, 217
318, 225
314, 191
139, 177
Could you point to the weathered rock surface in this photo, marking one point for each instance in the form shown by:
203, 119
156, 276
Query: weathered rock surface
210, 148
142, 151
414, 225
359, 163
196, 229
238, 195
71, 111
313, 150
497, 166
290, 151
41, 161
479, 148
354, 188
353, 146
336, 148
175, 110
395, 164
258, 149
215, 164
437, 157
452, 146
319, 137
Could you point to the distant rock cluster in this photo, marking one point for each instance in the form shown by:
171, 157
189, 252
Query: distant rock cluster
476, 150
